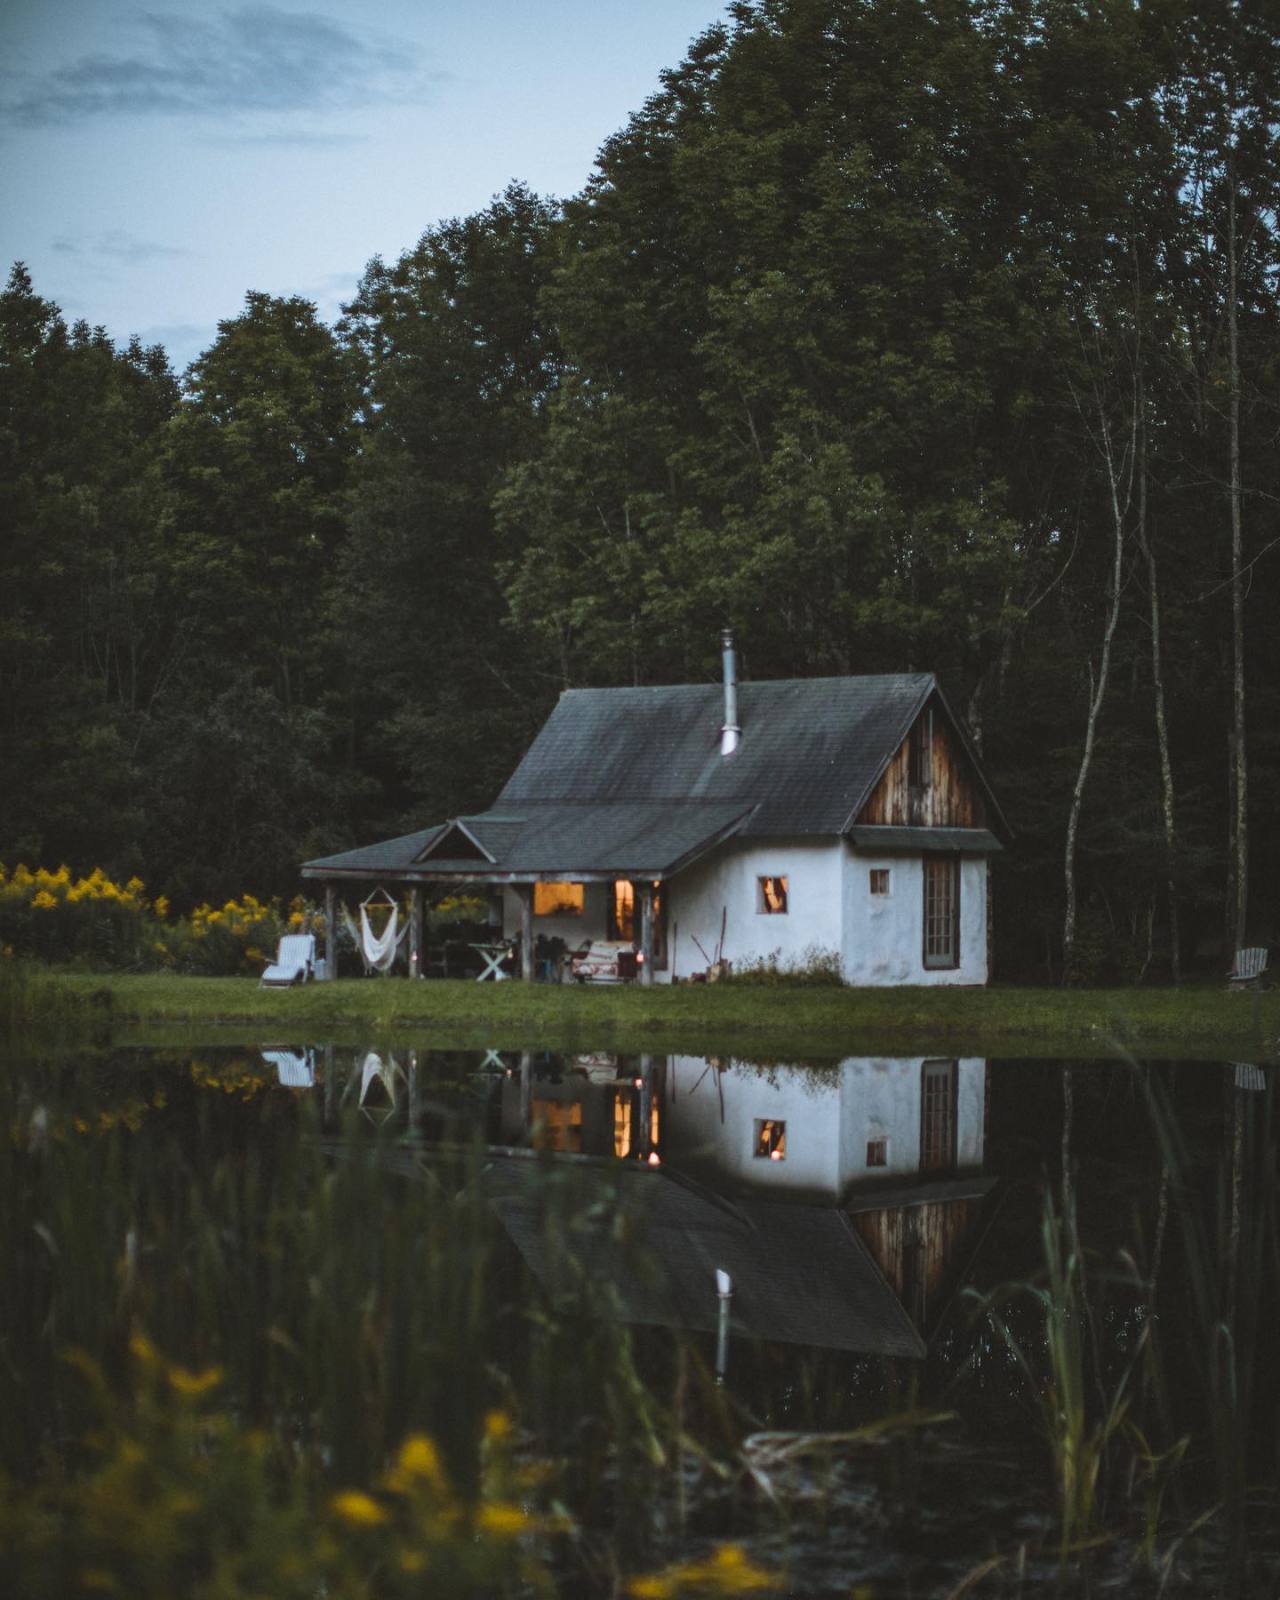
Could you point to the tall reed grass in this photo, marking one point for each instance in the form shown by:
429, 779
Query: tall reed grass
237, 1284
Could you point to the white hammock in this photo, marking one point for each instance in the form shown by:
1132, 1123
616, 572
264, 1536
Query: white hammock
378, 952
380, 948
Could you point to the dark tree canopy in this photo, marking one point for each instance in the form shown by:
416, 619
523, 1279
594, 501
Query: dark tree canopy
934, 334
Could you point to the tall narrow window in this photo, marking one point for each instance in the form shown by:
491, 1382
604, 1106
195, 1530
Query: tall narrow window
623, 922
920, 751
942, 911
622, 910
938, 1116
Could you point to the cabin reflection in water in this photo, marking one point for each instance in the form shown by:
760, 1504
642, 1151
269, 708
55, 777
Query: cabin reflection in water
816, 1169
845, 1200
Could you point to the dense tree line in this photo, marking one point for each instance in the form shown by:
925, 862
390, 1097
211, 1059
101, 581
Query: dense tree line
896, 334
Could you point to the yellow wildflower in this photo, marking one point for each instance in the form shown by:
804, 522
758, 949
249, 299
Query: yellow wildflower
161, 907
43, 901
143, 1350
419, 1458
358, 1509
725, 1572
194, 1384
497, 1426
503, 1519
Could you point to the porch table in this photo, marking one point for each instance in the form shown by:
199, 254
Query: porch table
493, 956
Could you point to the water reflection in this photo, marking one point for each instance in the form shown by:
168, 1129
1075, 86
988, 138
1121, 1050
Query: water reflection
842, 1199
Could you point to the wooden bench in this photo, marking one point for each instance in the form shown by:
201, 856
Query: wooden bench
1250, 970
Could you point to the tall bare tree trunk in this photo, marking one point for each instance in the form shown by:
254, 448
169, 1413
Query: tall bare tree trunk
1240, 764
1099, 688
1162, 726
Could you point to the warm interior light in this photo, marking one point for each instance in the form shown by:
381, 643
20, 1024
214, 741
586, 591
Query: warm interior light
655, 1159
558, 899
770, 1139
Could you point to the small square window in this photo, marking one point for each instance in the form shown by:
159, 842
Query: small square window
879, 880
771, 896
878, 1152
771, 1140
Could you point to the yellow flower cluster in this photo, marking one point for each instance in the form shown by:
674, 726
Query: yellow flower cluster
727, 1571
45, 890
238, 1078
241, 918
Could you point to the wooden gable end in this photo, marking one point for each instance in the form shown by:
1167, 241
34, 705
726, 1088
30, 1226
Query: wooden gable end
930, 781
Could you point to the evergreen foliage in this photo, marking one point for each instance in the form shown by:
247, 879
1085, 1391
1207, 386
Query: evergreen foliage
900, 335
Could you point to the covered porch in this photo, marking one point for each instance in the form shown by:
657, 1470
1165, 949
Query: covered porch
556, 870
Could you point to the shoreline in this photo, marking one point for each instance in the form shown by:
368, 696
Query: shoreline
766, 1020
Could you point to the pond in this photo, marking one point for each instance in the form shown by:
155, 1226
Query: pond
885, 1326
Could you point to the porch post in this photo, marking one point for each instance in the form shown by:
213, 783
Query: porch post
329, 1118
330, 932
524, 892
526, 1090
645, 1142
644, 893
415, 932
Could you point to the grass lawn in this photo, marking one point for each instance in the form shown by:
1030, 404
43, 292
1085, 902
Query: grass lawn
766, 1021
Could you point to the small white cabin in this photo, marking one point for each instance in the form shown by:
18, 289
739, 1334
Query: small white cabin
840, 821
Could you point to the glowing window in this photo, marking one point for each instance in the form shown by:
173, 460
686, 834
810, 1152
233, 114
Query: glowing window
622, 910
557, 899
878, 1152
879, 880
557, 1125
771, 1140
771, 896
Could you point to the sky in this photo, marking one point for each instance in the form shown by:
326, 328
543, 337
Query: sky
159, 161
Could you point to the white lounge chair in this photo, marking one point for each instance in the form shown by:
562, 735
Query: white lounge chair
294, 1068
295, 961
1250, 970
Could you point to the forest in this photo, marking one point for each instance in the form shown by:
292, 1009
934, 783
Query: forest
893, 334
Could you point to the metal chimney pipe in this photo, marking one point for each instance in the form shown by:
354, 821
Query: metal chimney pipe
730, 731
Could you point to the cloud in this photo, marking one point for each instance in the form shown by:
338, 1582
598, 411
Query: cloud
255, 59
117, 245
293, 139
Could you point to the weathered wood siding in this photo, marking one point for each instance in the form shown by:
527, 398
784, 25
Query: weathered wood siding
918, 1248
952, 800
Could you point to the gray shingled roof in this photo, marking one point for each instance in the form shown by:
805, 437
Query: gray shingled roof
801, 1274
390, 855
632, 782
972, 841
624, 838
811, 748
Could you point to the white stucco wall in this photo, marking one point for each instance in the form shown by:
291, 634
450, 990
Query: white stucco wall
725, 884
719, 1146
709, 1119
884, 934
880, 1098
830, 908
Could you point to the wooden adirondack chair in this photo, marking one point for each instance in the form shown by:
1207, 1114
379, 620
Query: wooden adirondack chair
1250, 970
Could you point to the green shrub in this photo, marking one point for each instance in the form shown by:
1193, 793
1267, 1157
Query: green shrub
816, 968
